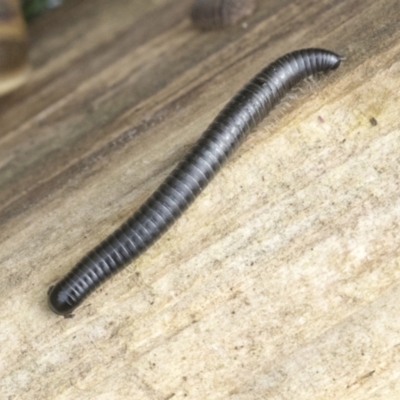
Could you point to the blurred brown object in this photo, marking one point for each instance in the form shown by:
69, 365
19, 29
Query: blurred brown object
218, 14
13, 46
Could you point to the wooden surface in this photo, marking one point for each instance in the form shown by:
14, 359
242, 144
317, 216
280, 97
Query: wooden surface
281, 282
14, 66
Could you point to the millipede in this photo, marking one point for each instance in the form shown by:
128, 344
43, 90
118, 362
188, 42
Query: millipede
181, 187
218, 14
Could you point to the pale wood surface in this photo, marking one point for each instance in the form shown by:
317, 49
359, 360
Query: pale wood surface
281, 282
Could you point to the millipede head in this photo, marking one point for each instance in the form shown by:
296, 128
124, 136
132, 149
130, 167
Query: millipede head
58, 301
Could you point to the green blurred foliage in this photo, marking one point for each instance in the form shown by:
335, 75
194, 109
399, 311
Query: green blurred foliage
33, 8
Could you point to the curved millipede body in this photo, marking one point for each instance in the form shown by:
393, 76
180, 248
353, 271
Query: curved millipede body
244, 112
217, 14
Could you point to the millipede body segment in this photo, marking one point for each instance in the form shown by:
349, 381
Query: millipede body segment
242, 114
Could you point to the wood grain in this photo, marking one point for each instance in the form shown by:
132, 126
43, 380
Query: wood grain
13, 46
282, 281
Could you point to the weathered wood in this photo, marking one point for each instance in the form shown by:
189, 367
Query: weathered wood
282, 281
13, 46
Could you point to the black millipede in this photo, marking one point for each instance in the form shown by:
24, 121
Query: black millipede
181, 187
218, 14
